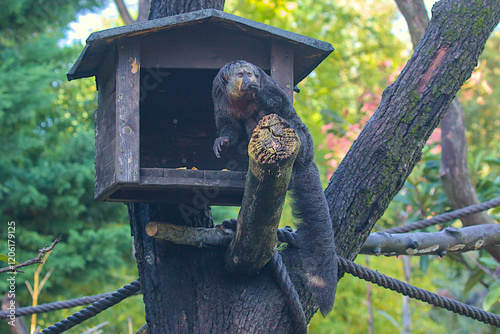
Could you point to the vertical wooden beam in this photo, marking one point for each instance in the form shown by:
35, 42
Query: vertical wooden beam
105, 128
282, 66
127, 107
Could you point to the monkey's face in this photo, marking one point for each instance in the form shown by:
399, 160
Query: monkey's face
243, 82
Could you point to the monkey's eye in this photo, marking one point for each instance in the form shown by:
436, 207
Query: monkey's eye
240, 75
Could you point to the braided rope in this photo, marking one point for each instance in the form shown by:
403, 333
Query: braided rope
279, 270
420, 294
281, 276
43, 308
286, 235
97, 307
465, 211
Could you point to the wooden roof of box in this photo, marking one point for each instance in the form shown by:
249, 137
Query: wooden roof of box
308, 52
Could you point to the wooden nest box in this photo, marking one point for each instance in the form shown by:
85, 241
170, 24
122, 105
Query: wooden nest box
155, 122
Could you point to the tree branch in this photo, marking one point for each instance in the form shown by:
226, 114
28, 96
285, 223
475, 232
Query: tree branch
449, 240
190, 236
454, 172
143, 11
37, 259
416, 18
124, 13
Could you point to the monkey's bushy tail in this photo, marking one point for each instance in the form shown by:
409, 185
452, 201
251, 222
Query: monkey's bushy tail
315, 236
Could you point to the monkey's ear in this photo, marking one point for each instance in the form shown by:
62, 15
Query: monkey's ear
225, 78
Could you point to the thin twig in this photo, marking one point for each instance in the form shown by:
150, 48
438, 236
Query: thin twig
480, 266
38, 259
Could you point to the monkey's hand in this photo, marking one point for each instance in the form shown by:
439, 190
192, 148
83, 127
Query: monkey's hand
218, 143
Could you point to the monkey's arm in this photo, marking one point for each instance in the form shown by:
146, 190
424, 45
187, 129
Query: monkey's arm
228, 128
272, 98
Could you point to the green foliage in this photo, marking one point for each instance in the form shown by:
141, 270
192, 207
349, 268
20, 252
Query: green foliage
46, 162
493, 295
351, 311
480, 99
20, 19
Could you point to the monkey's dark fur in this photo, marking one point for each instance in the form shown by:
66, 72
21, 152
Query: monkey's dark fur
243, 94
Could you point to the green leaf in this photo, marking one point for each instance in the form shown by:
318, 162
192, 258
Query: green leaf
4, 258
424, 263
493, 295
473, 280
403, 199
489, 262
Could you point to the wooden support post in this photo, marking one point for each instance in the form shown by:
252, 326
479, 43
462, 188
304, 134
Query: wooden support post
272, 151
127, 107
281, 66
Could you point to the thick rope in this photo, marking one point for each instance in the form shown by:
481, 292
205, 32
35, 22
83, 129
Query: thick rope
43, 308
420, 294
279, 270
465, 211
97, 307
281, 276
286, 235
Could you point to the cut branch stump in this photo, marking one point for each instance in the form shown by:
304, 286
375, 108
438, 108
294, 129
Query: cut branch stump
272, 151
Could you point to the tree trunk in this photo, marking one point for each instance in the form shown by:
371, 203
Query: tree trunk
187, 290
454, 172
164, 8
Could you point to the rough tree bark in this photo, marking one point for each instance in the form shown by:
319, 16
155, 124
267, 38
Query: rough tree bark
272, 151
187, 290
454, 172
163, 8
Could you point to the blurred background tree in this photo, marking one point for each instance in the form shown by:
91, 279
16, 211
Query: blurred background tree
47, 152
46, 163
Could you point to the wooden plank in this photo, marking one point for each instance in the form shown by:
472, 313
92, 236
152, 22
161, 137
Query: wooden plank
127, 106
106, 77
203, 46
105, 150
155, 172
282, 66
181, 185
146, 194
191, 178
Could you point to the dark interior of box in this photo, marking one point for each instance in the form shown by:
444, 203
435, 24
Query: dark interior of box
177, 125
